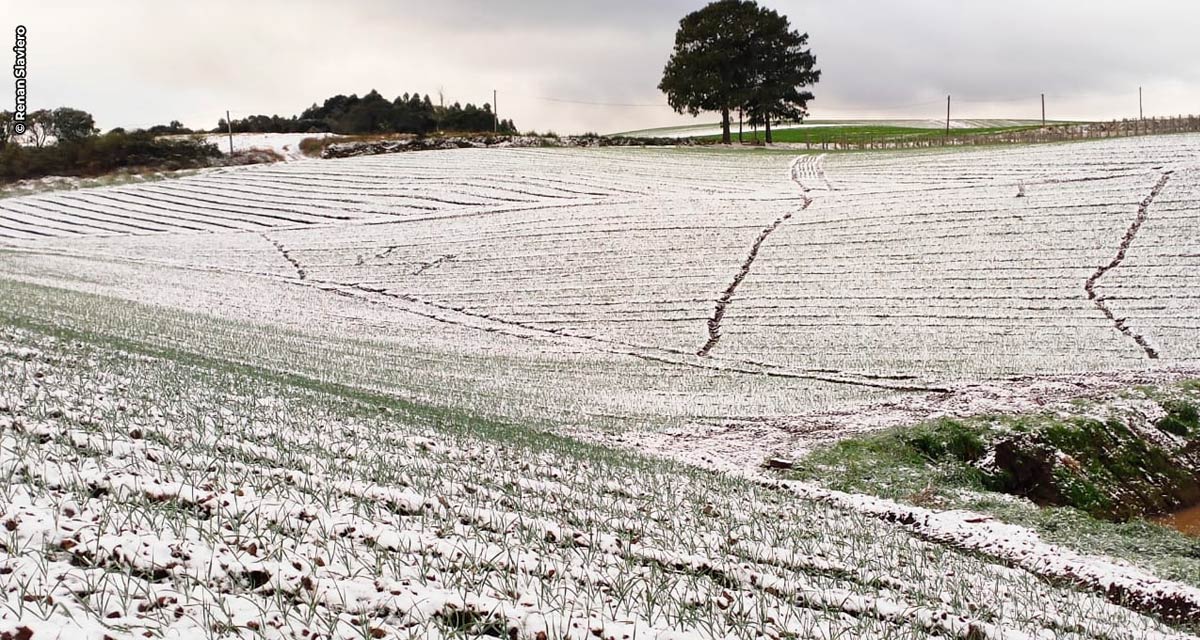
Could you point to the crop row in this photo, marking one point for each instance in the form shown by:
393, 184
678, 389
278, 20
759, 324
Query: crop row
145, 496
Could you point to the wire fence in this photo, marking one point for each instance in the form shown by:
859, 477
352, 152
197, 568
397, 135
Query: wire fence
1019, 135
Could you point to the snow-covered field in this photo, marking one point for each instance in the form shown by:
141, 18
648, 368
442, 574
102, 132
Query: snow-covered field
805, 282
287, 145
634, 297
149, 498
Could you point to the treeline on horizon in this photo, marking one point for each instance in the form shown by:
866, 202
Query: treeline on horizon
65, 141
372, 113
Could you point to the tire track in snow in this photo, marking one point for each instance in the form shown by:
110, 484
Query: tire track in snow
620, 348
426, 266
444, 313
1130, 234
714, 323
286, 256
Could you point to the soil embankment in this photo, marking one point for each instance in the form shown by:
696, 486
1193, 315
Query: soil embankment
1187, 521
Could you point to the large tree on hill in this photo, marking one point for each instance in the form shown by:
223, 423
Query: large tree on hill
780, 69
733, 54
705, 72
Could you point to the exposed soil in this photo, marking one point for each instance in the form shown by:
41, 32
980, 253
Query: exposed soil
1187, 521
1124, 466
714, 323
742, 444
1130, 234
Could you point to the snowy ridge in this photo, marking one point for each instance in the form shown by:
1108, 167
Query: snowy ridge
1023, 548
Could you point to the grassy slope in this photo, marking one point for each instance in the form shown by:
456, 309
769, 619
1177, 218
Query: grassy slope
925, 465
871, 133
925, 124
180, 334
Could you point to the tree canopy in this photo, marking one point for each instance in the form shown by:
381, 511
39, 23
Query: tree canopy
735, 55
373, 113
64, 141
71, 125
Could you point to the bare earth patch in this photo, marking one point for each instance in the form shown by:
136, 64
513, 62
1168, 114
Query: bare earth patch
741, 446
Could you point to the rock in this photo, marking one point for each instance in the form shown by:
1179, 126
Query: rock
778, 463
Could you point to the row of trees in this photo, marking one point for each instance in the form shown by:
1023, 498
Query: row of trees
372, 113
735, 56
44, 125
65, 141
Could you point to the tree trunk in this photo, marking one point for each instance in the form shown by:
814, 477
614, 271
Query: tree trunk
740, 140
769, 131
725, 137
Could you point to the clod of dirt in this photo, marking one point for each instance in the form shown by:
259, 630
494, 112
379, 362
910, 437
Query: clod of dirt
778, 463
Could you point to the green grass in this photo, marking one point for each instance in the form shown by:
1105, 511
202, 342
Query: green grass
864, 134
934, 465
901, 463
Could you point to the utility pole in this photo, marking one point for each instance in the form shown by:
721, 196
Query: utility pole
947, 116
1141, 114
1043, 111
495, 113
229, 127
441, 107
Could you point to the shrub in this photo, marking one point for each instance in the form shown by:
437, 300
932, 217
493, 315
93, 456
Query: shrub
99, 154
946, 437
255, 156
313, 146
1182, 419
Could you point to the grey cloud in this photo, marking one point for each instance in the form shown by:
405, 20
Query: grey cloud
137, 63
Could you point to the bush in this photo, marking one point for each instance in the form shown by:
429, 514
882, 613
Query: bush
174, 128
312, 146
1182, 419
255, 156
946, 437
100, 154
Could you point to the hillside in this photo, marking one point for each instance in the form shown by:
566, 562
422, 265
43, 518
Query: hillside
714, 129
430, 369
869, 274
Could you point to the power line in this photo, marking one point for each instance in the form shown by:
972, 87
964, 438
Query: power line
599, 104
1030, 98
909, 105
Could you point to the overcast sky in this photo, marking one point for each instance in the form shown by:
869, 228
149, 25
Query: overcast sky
139, 63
